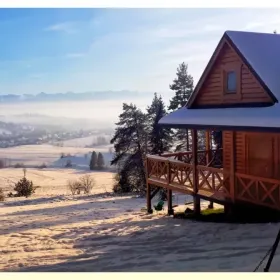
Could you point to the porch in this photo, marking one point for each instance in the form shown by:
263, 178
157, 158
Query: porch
201, 174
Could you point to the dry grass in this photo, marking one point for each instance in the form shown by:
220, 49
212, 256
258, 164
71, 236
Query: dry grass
85, 183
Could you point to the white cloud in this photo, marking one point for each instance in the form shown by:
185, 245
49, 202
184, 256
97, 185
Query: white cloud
67, 27
75, 55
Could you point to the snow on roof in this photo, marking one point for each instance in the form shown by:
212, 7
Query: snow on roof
262, 52
230, 118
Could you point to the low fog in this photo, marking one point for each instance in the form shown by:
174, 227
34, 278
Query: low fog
85, 114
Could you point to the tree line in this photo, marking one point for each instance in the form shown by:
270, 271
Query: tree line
96, 161
137, 133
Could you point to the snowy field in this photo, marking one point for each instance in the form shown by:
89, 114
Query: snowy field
54, 231
36, 155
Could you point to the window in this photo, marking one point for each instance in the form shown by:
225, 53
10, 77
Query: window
231, 82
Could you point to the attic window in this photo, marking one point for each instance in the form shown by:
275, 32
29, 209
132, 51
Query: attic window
231, 82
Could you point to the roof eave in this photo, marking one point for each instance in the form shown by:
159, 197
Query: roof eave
221, 127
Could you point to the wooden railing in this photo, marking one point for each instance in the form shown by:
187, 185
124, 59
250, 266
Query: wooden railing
212, 182
258, 190
172, 173
212, 157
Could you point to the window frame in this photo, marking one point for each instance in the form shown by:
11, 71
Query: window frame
228, 91
236, 68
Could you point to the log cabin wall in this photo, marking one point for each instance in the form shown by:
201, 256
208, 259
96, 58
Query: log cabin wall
212, 91
239, 149
257, 154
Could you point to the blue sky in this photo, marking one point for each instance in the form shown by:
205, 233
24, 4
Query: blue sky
60, 50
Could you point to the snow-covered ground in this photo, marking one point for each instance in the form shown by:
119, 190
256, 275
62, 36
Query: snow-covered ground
103, 233
36, 155
54, 231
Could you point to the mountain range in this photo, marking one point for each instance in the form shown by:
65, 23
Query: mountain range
71, 96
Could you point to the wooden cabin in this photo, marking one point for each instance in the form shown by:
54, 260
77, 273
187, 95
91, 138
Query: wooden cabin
237, 94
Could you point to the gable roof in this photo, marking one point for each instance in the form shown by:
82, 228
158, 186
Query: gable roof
260, 52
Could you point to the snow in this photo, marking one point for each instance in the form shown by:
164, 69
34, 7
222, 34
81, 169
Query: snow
4, 131
258, 117
104, 233
55, 231
261, 50
36, 155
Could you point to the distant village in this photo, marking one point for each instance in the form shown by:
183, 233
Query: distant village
12, 135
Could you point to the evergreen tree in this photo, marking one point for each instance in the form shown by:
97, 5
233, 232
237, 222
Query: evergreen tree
100, 161
183, 87
160, 139
130, 146
93, 161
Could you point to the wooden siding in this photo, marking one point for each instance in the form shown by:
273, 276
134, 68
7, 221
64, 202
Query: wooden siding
212, 90
240, 151
227, 144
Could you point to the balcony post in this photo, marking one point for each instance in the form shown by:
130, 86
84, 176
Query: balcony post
169, 197
148, 190
195, 175
207, 146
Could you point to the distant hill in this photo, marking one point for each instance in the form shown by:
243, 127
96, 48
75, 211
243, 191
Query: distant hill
71, 96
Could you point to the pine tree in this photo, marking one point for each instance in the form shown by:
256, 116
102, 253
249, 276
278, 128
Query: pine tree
129, 144
100, 161
183, 87
160, 139
93, 161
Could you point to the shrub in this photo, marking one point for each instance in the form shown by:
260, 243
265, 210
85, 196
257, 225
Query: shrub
88, 183
68, 163
74, 186
19, 165
42, 166
10, 194
24, 187
85, 183
2, 197
120, 185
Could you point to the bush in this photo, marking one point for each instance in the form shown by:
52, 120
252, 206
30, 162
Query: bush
24, 187
88, 183
10, 194
68, 163
120, 185
2, 197
19, 165
85, 183
42, 166
74, 186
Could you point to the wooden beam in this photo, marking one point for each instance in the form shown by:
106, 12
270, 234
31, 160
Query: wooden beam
170, 209
149, 200
207, 147
195, 174
148, 194
188, 142
233, 165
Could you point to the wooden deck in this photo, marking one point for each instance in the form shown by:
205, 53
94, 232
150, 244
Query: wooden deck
214, 184
178, 176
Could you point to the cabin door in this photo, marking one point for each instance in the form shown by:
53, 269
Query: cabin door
260, 155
